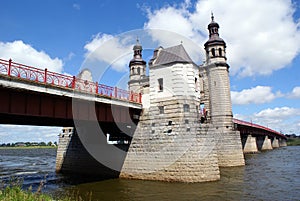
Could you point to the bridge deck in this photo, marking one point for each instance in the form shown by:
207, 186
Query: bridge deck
32, 75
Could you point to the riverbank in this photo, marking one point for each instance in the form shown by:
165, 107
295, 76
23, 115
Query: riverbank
30, 147
293, 142
17, 193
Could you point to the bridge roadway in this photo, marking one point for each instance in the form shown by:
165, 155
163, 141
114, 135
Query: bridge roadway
31, 96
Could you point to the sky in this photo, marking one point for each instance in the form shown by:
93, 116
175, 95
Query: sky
262, 37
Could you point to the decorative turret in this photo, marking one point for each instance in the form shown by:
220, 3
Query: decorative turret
215, 46
137, 68
218, 78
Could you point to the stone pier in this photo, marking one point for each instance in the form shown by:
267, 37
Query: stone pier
72, 158
264, 143
282, 143
267, 145
275, 143
250, 145
229, 148
172, 147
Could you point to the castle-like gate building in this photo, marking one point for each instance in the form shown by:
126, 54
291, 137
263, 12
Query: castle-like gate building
185, 132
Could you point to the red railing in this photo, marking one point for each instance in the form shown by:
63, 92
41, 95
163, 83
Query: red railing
29, 73
245, 123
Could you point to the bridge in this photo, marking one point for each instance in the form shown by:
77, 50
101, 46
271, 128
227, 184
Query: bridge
32, 96
256, 137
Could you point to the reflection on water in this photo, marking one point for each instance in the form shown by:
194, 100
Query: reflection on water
270, 175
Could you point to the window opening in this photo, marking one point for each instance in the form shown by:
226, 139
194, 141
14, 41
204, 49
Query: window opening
160, 84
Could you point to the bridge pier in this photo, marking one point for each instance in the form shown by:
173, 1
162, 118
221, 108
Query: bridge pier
264, 143
275, 143
282, 142
171, 148
250, 145
74, 159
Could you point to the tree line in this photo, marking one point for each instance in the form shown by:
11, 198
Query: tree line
28, 144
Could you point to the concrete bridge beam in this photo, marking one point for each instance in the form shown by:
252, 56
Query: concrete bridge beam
250, 145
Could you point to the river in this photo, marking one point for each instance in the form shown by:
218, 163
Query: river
270, 175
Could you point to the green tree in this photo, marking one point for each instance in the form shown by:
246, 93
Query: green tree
42, 144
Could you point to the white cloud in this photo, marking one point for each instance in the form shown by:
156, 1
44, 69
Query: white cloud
113, 50
170, 26
295, 93
281, 119
23, 53
282, 112
22, 133
70, 56
76, 6
256, 95
260, 35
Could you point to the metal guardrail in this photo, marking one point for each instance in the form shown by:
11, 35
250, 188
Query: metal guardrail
13, 69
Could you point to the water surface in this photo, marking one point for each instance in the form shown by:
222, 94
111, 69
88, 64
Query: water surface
270, 175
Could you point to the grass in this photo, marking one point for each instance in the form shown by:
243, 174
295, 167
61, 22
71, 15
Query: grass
14, 192
293, 142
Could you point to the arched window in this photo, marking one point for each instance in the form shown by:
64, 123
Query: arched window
139, 71
213, 52
220, 52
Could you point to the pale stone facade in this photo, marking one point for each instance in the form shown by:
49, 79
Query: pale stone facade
185, 131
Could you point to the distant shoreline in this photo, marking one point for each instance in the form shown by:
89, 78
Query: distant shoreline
293, 142
30, 147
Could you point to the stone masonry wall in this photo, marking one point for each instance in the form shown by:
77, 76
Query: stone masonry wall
171, 146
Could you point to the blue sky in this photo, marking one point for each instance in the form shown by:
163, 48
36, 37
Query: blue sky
262, 36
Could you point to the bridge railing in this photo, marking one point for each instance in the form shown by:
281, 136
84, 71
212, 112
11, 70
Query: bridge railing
250, 124
29, 73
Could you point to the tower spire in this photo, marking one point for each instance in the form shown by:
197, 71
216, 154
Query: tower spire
137, 68
215, 46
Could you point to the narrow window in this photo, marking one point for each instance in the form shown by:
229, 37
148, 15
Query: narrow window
161, 109
160, 84
220, 52
213, 52
186, 108
196, 85
138, 71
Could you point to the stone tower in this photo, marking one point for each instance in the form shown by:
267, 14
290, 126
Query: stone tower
137, 66
215, 94
218, 78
